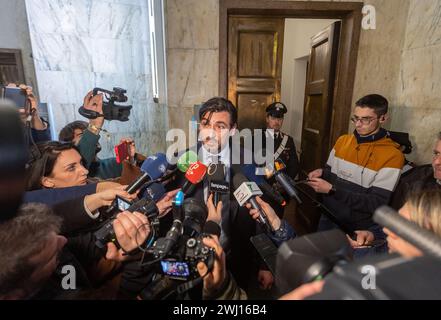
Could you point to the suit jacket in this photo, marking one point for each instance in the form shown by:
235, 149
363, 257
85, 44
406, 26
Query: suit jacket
237, 225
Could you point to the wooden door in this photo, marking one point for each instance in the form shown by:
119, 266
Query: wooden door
319, 95
255, 51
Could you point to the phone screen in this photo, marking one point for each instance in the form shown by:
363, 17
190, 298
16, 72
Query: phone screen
123, 205
17, 95
175, 269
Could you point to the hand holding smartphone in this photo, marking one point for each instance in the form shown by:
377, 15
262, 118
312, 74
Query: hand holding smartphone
122, 152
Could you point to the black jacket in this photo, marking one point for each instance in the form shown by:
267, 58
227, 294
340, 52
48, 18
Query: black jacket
416, 180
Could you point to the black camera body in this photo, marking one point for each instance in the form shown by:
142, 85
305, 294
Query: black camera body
145, 206
183, 265
111, 110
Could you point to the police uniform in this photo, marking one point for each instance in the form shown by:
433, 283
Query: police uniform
284, 149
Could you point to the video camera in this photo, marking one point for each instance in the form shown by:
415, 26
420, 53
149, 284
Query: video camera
182, 248
145, 206
111, 110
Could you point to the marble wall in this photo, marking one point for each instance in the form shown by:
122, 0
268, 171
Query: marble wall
399, 60
79, 45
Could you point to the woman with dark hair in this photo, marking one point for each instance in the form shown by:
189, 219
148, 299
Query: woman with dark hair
55, 165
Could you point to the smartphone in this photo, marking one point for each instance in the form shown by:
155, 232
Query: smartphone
122, 152
122, 204
16, 95
175, 269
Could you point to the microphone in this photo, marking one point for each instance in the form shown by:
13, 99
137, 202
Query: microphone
423, 239
250, 172
155, 191
176, 230
153, 168
284, 180
246, 192
216, 181
193, 176
186, 159
213, 228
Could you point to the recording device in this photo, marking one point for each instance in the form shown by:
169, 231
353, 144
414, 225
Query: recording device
250, 172
246, 192
122, 152
194, 175
14, 156
182, 248
111, 110
283, 179
216, 181
384, 277
309, 258
145, 206
423, 239
153, 168
186, 159
16, 95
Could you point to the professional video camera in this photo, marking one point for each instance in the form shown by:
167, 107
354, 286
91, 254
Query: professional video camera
175, 256
111, 110
146, 206
182, 249
327, 256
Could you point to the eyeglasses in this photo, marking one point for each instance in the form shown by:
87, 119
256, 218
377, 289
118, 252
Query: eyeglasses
363, 120
436, 154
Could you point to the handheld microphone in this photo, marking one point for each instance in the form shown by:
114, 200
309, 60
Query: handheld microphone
177, 228
246, 192
250, 172
186, 160
216, 181
284, 180
153, 168
193, 176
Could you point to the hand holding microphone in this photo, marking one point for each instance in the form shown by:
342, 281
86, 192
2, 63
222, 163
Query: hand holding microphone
246, 192
273, 219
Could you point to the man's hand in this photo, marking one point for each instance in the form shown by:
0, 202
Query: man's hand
265, 279
304, 291
131, 230
94, 103
270, 213
315, 174
213, 279
165, 204
320, 185
364, 238
106, 197
214, 214
36, 121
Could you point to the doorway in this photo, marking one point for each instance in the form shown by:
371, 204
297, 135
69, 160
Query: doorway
350, 15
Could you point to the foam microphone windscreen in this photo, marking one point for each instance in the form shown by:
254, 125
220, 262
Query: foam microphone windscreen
196, 172
155, 191
238, 179
186, 160
216, 172
155, 166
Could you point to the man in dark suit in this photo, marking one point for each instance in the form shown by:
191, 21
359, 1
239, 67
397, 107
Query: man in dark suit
284, 147
218, 123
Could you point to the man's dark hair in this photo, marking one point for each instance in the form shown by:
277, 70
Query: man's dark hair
376, 102
67, 133
218, 104
21, 238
